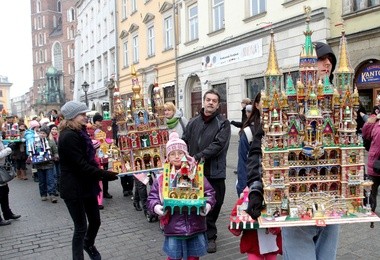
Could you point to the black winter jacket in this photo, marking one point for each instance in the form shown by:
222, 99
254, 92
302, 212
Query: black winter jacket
209, 140
254, 169
79, 178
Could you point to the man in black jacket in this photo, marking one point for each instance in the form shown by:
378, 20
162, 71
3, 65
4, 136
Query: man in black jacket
208, 136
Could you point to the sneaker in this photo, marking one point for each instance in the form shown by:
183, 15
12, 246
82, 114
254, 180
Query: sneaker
44, 198
211, 246
53, 199
101, 207
92, 252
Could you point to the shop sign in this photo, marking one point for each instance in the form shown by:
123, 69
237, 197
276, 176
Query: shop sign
243, 52
370, 74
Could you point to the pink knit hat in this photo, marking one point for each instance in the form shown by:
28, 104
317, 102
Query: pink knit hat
175, 143
33, 124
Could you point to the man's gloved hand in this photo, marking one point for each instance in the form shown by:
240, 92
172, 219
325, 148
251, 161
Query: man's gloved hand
159, 210
205, 210
109, 176
255, 202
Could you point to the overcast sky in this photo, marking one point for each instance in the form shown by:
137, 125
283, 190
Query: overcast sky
15, 45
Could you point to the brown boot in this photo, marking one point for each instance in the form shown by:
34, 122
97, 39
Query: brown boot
23, 175
18, 174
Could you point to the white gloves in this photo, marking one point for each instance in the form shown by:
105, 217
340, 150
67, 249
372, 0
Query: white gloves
159, 210
205, 210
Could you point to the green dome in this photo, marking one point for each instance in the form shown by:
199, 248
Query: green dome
51, 71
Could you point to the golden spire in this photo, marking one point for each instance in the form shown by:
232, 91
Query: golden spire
135, 85
344, 65
272, 68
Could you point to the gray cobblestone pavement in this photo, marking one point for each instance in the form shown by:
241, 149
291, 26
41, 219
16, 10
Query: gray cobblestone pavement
45, 229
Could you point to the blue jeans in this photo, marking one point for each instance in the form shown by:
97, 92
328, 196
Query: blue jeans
46, 181
311, 242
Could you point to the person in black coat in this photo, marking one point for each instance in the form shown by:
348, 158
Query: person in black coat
208, 136
80, 175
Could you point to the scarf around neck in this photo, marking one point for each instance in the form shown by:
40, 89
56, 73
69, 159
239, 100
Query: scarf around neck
172, 122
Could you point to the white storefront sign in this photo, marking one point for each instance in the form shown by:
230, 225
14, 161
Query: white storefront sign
232, 55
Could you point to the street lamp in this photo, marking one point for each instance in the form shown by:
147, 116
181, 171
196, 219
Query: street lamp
111, 87
85, 87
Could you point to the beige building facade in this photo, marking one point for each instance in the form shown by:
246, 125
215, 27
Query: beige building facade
224, 45
146, 43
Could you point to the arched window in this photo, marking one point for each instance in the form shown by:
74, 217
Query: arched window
41, 56
71, 32
41, 72
57, 56
39, 22
72, 14
40, 40
38, 6
59, 6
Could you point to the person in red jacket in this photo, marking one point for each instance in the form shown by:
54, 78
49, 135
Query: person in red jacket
271, 241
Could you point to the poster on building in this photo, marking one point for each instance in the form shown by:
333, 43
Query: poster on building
243, 52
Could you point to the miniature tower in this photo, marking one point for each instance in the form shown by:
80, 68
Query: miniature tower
143, 143
275, 107
312, 157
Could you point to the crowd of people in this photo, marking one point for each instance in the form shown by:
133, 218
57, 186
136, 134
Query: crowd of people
76, 174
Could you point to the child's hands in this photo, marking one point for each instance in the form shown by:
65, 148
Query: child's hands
159, 210
205, 210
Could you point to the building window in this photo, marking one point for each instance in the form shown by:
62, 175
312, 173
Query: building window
92, 72
363, 4
72, 33
135, 42
105, 65
125, 54
112, 22
151, 47
257, 7
41, 56
99, 68
124, 9
168, 24
40, 39
112, 62
71, 15
105, 26
193, 22
39, 22
254, 86
133, 6
59, 6
57, 56
99, 32
38, 6
218, 14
